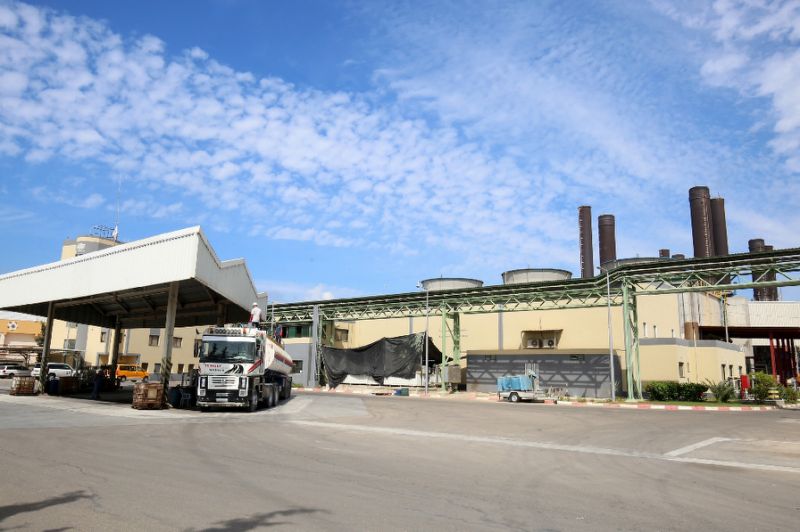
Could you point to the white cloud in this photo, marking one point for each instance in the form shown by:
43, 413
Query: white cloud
283, 292
504, 121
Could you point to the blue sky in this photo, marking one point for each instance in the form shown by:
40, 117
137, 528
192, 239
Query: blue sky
354, 148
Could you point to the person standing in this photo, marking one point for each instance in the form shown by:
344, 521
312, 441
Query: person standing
255, 315
97, 385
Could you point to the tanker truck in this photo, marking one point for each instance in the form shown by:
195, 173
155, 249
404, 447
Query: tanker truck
242, 367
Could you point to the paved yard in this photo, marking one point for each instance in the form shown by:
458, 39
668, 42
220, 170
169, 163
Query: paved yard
336, 462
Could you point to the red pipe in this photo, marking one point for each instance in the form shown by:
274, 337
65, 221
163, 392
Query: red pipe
772, 355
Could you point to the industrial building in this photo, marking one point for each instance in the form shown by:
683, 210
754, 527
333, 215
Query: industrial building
690, 336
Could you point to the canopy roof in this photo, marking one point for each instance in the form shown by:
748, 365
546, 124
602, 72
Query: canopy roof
761, 332
129, 283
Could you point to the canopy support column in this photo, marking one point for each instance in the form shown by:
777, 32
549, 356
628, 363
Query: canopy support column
48, 337
169, 333
115, 350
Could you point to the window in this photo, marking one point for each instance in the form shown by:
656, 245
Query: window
104, 336
740, 371
191, 368
723, 371
672, 333
655, 332
681, 370
177, 341
152, 341
69, 344
297, 331
490, 358
72, 325
644, 329
180, 368
157, 367
198, 345
144, 365
730, 370
341, 335
298, 366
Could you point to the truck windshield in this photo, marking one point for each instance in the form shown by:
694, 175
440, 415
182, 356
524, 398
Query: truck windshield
228, 352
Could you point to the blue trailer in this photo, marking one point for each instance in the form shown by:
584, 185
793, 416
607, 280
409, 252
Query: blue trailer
516, 388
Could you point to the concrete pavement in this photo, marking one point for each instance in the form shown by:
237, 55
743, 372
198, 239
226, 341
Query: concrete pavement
336, 462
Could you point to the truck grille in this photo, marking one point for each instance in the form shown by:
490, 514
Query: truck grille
223, 382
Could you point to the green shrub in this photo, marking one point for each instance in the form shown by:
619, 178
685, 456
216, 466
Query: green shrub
660, 390
761, 385
723, 390
675, 391
788, 394
691, 391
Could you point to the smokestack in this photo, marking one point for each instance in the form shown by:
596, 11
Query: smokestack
608, 238
770, 292
756, 245
585, 235
663, 253
720, 226
702, 230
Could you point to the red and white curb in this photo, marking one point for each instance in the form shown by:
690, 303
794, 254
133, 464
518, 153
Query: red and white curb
474, 396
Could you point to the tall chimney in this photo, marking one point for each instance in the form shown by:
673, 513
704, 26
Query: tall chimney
702, 230
663, 253
756, 245
585, 235
720, 226
770, 292
608, 239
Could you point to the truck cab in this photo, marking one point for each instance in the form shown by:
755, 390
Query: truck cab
242, 367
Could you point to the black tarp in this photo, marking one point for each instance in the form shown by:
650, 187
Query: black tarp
401, 356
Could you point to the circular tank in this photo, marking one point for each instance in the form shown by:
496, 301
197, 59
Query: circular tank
535, 275
450, 283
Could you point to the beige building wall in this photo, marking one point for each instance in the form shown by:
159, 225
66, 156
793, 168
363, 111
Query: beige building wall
699, 363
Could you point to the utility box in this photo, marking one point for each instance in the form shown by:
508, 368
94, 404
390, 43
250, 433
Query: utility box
452, 374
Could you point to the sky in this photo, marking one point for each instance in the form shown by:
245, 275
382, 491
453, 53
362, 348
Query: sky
354, 148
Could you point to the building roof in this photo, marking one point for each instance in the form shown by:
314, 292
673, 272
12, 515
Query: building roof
130, 283
763, 332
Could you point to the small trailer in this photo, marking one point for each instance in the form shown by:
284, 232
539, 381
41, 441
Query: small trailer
516, 388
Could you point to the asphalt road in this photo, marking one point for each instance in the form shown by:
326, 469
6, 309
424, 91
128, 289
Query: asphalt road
334, 462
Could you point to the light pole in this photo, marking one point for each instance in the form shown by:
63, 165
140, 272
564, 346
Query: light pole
610, 337
427, 316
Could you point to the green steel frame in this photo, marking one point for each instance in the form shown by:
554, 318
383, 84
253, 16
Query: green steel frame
716, 274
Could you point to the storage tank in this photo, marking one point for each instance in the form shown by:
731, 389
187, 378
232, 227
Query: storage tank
663, 253
606, 227
702, 228
585, 237
450, 283
535, 275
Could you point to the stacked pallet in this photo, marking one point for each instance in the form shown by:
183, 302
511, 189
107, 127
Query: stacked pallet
23, 386
148, 396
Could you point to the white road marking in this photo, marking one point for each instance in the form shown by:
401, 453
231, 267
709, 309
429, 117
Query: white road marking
695, 446
546, 446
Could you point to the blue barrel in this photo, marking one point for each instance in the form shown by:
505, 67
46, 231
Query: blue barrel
174, 397
52, 387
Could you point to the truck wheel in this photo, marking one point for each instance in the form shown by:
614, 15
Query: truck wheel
123, 378
514, 398
204, 409
276, 397
271, 396
145, 379
253, 406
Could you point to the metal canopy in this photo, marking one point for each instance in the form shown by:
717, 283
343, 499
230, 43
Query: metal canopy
128, 285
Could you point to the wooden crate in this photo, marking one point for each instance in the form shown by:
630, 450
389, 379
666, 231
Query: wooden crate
23, 386
148, 396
